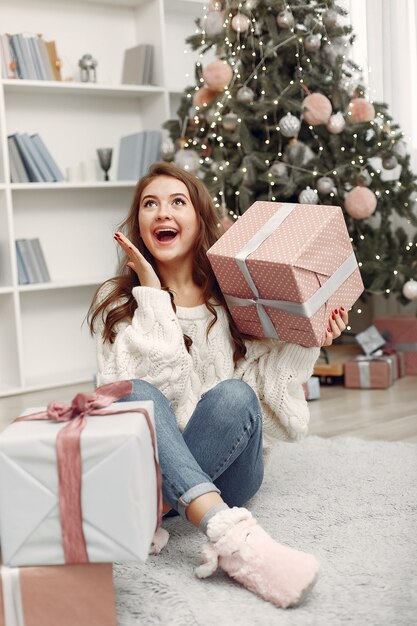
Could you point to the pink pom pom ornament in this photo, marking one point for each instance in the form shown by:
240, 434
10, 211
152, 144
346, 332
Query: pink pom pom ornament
360, 203
203, 96
360, 110
217, 75
317, 109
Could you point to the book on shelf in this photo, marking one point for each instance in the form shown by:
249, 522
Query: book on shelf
138, 65
31, 264
31, 161
137, 152
18, 173
29, 57
47, 158
8, 61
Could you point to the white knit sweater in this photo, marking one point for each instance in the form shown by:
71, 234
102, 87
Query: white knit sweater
152, 348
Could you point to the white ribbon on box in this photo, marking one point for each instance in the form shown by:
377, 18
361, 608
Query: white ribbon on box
12, 596
302, 309
364, 362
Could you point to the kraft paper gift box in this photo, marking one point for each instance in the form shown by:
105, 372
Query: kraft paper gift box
371, 372
400, 333
103, 506
283, 268
57, 595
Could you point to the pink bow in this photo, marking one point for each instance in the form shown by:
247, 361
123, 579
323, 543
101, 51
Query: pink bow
69, 462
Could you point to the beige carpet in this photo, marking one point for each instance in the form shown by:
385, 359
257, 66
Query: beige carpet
352, 503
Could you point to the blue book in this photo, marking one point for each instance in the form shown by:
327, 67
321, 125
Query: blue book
45, 173
131, 149
18, 173
22, 274
34, 173
47, 158
151, 150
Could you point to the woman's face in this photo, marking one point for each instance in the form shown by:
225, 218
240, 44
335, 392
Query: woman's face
168, 221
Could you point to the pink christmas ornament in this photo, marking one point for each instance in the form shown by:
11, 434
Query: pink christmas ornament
360, 110
217, 75
203, 96
360, 202
317, 109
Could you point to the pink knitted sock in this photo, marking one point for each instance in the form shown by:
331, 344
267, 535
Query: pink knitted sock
247, 553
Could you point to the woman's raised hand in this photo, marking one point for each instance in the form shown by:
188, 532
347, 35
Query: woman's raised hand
337, 324
138, 263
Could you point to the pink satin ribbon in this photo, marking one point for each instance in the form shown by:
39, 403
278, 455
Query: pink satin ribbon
69, 462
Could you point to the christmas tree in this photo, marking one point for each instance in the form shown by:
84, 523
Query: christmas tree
281, 114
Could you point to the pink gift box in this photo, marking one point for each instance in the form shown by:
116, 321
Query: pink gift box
283, 268
400, 333
57, 595
371, 372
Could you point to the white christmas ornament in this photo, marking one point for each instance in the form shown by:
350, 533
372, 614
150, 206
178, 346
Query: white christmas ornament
298, 153
278, 170
285, 19
325, 185
336, 123
289, 125
167, 149
187, 159
229, 121
245, 95
312, 43
213, 23
240, 23
410, 289
308, 196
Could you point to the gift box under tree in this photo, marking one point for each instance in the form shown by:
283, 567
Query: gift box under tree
57, 595
80, 483
371, 372
283, 269
400, 333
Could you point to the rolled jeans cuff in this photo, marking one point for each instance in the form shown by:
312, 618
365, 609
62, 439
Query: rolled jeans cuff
192, 494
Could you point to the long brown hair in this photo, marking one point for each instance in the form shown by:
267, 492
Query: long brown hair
114, 301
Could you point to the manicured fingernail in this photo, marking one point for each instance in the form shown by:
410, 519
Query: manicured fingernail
328, 330
341, 308
335, 311
116, 236
333, 316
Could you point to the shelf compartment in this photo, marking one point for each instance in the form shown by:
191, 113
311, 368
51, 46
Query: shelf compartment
61, 350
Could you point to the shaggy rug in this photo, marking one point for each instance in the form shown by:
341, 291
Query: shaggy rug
352, 503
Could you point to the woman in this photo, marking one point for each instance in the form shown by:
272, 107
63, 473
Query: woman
163, 323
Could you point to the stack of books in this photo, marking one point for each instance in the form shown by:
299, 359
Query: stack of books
31, 161
137, 152
31, 264
137, 65
29, 57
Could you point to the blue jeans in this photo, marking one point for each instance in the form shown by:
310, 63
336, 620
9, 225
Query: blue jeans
220, 450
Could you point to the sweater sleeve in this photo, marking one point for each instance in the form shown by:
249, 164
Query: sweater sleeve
151, 347
276, 371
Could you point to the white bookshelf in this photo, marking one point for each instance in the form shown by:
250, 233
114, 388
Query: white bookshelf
44, 339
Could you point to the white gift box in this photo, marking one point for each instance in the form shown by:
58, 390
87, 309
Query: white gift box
119, 493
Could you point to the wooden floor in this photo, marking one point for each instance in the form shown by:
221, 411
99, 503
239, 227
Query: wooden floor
387, 414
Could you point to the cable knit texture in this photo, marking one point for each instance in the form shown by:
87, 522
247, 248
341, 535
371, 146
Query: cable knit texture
152, 348
247, 553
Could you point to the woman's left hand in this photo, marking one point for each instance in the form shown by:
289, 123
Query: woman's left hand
337, 324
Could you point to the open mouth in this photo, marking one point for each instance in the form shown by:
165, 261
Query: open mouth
165, 235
